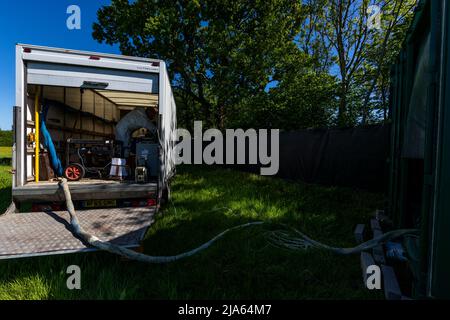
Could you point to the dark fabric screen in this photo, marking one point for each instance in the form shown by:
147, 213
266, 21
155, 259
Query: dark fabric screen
353, 157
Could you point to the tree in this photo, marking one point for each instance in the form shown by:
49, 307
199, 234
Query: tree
291, 64
341, 34
6, 138
219, 53
386, 45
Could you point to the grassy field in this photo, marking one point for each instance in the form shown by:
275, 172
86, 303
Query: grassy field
5, 187
241, 265
5, 152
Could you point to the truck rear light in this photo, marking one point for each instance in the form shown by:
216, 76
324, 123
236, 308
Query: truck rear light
94, 58
27, 50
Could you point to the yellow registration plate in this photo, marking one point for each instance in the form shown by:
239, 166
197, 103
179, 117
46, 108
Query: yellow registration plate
99, 203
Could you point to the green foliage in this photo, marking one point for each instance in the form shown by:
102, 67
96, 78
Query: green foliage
343, 38
221, 54
381, 53
240, 266
6, 138
323, 62
5, 152
5, 187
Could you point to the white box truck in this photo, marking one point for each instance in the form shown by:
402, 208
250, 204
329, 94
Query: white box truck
104, 122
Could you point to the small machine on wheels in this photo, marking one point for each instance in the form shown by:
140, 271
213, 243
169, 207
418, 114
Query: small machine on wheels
88, 158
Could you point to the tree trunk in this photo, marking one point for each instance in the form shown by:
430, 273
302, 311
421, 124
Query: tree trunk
342, 122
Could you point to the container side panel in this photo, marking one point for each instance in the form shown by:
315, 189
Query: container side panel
439, 281
167, 110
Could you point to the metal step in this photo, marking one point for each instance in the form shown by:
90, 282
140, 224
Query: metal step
48, 233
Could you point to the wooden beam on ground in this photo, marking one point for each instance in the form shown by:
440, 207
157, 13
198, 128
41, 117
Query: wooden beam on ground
359, 233
378, 251
383, 218
374, 224
366, 261
390, 284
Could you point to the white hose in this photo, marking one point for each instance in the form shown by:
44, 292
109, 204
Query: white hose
284, 239
127, 253
279, 238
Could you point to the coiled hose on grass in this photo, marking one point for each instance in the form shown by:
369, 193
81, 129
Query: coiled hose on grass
279, 238
284, 239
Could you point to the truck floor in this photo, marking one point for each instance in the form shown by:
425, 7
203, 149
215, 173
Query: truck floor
84, 190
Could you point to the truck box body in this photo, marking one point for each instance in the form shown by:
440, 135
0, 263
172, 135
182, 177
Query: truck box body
91, 92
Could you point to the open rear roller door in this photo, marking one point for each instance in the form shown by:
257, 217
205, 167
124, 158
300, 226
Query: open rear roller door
42, 73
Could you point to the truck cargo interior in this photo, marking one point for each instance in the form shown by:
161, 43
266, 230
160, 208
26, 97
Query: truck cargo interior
93, 137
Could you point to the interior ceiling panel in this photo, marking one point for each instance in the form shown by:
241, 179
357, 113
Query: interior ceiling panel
127, 100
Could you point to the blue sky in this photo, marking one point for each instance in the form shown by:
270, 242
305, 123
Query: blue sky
40, 22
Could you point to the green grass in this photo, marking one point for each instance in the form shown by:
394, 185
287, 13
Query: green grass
5, 152
5, 188
242, 265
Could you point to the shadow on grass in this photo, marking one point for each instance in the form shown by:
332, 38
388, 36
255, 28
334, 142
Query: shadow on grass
5, 199
242, 265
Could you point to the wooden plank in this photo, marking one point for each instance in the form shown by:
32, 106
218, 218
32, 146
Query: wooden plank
366, 261
378, 255
379, 214
378, 251
359, 233
375, 224
383, 218
390, 284
377, 233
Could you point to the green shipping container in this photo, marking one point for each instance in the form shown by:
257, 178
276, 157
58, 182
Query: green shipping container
419, 190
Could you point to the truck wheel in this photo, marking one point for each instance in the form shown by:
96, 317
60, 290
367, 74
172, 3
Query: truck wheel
74, 172
166, 194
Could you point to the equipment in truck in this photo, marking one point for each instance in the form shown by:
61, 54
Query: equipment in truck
88, 157
141, 174
118, 169
134, 120
147, 156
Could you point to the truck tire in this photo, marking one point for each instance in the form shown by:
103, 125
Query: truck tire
166, 195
